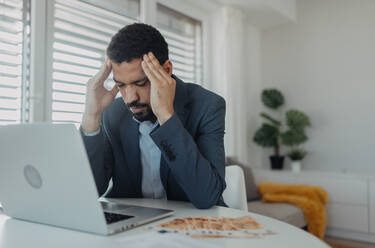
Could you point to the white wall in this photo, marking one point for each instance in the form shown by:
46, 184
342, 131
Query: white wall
285, 7
325, 65
236, 76
250, 91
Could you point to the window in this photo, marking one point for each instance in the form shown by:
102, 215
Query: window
14, 61
184, 37
73, 36
81, 33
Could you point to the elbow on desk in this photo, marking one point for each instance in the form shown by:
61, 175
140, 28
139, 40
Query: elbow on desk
203, 205
205, 202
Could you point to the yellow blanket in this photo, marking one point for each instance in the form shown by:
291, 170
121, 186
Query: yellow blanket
311, 199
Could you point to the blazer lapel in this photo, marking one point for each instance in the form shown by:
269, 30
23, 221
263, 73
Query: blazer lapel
130, 140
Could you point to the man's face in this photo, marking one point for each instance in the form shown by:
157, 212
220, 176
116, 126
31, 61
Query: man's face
135, 88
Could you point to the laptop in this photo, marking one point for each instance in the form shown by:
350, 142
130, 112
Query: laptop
45, 177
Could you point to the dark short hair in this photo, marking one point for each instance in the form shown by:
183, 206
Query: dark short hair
135, 40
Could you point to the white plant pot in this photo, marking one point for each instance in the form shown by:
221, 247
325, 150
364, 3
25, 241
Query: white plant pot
296, 166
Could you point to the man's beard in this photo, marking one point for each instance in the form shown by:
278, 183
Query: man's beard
143, 116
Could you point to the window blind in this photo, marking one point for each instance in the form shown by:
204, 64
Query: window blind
184, 37
14, 61
81, 33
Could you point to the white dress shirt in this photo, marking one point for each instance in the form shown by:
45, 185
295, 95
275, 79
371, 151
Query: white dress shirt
152, 186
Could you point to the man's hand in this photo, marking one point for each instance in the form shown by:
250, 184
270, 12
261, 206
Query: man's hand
98, 99
163, 88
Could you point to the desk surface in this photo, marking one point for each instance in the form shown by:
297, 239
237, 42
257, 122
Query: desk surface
16, 234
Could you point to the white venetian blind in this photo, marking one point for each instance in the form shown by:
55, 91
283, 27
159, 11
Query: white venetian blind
14, 61
184, 37
81, 32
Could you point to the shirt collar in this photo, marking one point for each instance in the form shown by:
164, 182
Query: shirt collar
155, 124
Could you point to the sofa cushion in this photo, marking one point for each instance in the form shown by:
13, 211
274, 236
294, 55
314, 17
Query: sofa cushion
251, 188
282, 211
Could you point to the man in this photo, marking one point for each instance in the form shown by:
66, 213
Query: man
164, 138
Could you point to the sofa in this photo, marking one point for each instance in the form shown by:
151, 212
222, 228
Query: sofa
282, 211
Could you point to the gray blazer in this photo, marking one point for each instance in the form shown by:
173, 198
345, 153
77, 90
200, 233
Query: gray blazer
192, 165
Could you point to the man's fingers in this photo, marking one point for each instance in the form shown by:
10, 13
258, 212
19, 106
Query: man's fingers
153, 67
153, 59
154, 71
159, 68
114, 90
103, 74
149, 73
106, 70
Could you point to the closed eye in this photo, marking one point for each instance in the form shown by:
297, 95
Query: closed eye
142, 83
120, 85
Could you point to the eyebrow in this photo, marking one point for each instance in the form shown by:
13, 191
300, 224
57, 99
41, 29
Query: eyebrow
134, 82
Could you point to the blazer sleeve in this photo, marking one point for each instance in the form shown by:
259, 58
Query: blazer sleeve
99, 152
198, 165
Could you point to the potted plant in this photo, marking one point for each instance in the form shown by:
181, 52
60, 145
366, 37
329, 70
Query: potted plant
272, 134
296, 122
296, 156
268, 135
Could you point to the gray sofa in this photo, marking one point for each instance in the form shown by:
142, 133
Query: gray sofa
282, 211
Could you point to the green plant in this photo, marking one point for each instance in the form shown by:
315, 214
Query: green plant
274, 133
297, 154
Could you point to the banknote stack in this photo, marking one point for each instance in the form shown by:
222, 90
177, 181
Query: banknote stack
214, 227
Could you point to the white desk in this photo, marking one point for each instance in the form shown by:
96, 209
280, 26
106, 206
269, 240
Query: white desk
20, 234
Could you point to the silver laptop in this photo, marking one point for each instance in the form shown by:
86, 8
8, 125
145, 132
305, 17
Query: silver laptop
45, 177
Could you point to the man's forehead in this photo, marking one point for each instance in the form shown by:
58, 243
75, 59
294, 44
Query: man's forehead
128, 72
131, 67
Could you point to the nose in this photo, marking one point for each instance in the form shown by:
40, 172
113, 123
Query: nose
130, 93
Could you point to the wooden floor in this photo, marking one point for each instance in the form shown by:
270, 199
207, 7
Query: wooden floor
343, 243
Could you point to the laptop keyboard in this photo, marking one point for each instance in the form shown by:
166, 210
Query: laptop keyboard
109, 206
112, 217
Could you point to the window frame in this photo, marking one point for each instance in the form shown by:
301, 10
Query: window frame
201, 14
23, 109
42, 38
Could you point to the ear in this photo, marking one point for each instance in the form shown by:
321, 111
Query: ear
167, 66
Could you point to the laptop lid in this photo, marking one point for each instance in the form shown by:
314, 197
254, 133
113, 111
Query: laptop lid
45, 177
